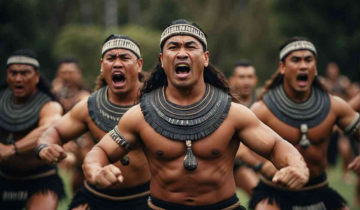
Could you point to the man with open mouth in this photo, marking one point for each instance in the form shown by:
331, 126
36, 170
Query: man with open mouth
189, 130
27, 109
117, 88
300, 110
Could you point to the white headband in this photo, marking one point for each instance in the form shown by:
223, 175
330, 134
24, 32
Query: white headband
22, 59
183, 29
298, 45
121, 43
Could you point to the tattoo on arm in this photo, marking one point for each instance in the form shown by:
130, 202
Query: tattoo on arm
120, 140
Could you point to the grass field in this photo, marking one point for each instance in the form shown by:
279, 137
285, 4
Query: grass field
334, 175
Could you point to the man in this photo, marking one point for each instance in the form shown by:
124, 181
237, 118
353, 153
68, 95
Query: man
243, 81
121, 65
69, 90
189, 131
299, 109
27, 109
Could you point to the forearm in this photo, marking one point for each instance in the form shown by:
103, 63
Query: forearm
29, 142
94, 161
51, 136
284, 154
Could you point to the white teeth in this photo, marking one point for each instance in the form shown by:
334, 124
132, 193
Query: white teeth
182, 65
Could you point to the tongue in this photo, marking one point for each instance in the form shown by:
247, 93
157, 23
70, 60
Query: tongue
302, 83
182, 72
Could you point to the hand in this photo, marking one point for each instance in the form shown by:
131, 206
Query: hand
292, 177
69, 162
108, 176
354, 165
268, 169
52, 154
6, 151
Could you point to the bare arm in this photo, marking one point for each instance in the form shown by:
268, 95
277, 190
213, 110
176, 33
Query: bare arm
346, 118
265, 142
69, 127
96, 164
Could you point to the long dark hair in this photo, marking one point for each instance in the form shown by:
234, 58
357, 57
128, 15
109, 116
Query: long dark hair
277, 78
212, 76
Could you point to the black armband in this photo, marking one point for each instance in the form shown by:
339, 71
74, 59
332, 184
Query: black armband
258, 167
38, 149
120, 140
353, 126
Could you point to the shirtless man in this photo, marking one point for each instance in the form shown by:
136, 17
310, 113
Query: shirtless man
298, 108
189, 131
27, 109
121, 66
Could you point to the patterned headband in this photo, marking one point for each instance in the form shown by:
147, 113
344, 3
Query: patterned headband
121, 43
22, 59
183, 29
298, 45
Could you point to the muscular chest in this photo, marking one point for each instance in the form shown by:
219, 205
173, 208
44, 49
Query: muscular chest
95, 131
210, 147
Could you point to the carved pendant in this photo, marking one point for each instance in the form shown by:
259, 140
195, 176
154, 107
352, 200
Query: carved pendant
190, 162
304, 142
125, 161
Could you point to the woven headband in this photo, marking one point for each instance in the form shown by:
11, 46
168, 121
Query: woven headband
123, 44
298, 45
22, 59
183, 29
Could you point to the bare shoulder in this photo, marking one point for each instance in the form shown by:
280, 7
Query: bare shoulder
260, 110
132, 119
83, 94
241, 115
355, 102
339, 105
51, 107
80, 110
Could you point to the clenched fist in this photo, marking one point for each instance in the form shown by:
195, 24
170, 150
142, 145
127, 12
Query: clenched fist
292, 177
52, 154
108, 176
355, 165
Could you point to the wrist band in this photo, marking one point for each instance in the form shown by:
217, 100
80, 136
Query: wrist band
16, 149
38, 149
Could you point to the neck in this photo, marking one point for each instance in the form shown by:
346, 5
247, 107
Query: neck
23, 100
124, 99
185, 96
247, 99
296, 96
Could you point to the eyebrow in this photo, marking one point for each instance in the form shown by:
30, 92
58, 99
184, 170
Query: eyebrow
120, 55
299, 57
177, 43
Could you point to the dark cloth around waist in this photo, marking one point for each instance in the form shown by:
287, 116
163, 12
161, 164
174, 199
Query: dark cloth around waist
14, 194
22, 174
218, 206
95, 202
318, 198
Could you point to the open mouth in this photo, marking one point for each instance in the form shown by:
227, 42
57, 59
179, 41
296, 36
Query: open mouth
19, 87
182, 69
302, 79
118, 79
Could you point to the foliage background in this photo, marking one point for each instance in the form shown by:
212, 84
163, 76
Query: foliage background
252, 29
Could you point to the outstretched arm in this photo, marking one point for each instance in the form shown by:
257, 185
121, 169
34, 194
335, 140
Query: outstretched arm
293, 171
112, 147
49, 114
69, 127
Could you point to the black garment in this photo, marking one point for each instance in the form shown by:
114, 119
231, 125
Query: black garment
218, 206
95, 202
15, 193
322, 198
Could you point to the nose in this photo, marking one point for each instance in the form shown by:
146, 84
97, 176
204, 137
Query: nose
18, 78
117, 63
303, 65
182, 53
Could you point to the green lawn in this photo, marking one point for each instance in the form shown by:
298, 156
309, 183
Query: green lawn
334, 175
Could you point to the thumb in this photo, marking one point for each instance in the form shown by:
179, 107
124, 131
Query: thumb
120, 178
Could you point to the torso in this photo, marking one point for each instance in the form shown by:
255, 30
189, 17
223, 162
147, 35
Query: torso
210, 183
315, 154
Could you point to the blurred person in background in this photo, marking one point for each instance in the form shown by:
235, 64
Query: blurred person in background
339, 85
243, 82
69, 89
116, 92
27, 109
297, 106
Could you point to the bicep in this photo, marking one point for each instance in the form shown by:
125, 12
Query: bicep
50, 114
